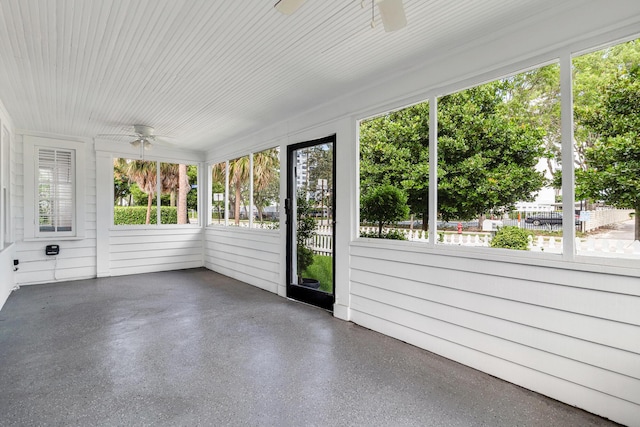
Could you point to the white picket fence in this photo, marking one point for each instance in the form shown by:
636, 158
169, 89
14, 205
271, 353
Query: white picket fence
322, 242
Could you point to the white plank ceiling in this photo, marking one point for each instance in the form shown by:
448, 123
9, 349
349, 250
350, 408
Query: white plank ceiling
206, 71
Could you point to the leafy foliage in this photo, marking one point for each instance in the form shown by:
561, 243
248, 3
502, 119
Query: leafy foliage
487, 154
129, 215
613, 162
306, 229
384, 205
511, 237
391, 235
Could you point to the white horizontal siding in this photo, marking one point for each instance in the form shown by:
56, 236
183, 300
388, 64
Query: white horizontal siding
145, 250
252, 256
559, 332
77, 258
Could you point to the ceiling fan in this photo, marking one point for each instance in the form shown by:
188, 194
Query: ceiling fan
391, 12
144, 137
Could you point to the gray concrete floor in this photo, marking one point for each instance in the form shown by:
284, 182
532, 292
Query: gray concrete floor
193, 347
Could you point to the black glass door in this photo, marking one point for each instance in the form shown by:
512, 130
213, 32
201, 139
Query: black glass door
310, 208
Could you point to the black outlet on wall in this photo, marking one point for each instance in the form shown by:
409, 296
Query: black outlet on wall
52, 250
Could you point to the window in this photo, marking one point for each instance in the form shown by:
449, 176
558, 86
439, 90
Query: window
245, 191
266, 188
148, 192
606, 151
239, 172
394, 174
55, 191
53, 188
218, 194
496, 143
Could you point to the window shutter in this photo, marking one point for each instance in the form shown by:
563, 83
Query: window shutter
55, 190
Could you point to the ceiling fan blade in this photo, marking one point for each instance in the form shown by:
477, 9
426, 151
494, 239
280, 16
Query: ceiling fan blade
115, 135
392, 14
288, 7
163, 141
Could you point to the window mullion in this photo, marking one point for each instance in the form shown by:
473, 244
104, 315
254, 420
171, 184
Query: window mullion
568, 180
226, 193
158, 189
250, 213
433, 170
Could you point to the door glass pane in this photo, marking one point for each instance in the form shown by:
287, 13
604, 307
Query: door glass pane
312, 264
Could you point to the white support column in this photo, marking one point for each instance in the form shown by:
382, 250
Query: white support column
346, 215
568, 180
433, 170
250, 213
226, 193
104, 212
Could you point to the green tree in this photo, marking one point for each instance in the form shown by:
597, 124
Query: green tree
239, 173
487, 155
591, 73
144, 174
266, 179
612, 170
121, 182
383, 205
320, 166
305, 230
394, 149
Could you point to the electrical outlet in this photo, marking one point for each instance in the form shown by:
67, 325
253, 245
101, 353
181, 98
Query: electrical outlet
52, 249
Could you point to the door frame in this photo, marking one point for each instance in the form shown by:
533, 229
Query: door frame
301, 293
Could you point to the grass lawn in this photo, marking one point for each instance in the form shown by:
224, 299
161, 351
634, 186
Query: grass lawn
322, 271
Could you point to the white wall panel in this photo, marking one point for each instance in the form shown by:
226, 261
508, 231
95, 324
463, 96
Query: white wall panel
252, 256
7, 253
144, 250
77, 258
531, 317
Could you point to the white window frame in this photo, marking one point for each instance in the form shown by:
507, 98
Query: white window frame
157, 195
6, 234
31, 195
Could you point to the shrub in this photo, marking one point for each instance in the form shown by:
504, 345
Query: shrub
391, 234
130, 215
383, 205
511, 237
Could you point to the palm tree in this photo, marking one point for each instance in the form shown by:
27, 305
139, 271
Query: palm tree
239, 173
144, 174
174, 179
183, 190
266, 170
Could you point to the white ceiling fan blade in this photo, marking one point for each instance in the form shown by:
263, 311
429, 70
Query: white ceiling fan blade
288, 7
392, 14
115, 135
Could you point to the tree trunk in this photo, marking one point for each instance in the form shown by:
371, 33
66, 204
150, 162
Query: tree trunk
183, 189
637, 224
149, 200
380, 230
